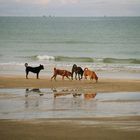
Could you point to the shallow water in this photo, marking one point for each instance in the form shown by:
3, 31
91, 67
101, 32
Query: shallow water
47, 103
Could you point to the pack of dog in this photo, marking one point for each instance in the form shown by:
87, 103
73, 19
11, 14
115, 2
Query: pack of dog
64, 73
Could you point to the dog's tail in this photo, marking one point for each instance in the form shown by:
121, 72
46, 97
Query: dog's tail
85, 69
26, 64
54, 69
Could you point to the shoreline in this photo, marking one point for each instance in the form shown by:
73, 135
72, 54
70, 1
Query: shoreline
103, 85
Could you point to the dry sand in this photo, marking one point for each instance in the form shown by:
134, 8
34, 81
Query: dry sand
71, 129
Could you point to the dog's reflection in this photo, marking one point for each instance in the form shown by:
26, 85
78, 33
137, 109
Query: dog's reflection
88, 96
74, 94
61, 94
33, 100
65, 92
34, 90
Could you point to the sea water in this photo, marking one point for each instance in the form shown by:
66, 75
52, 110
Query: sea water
103, 44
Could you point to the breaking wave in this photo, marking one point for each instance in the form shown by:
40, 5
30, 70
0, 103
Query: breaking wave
87, 59
45, 57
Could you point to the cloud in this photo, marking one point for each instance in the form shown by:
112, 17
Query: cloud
70, 7
69, 1
40, 2
33, 1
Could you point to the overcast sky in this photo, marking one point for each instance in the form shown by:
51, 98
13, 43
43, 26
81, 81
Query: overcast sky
70, 7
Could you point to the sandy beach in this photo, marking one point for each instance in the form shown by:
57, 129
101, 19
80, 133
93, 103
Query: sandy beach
71, 129
103, 85
114, 128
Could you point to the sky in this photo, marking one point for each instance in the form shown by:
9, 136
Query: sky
70, 8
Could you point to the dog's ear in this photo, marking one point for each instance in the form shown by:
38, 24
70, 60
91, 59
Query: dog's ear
26, 64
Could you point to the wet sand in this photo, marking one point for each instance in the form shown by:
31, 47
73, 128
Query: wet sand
114, 128
103, 85
71, 129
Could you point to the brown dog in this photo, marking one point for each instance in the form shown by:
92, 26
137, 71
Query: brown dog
63, 73
92, 75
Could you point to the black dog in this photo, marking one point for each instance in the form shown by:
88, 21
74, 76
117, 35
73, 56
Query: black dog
77, 70
33, 69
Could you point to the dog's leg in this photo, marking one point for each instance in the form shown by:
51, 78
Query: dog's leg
91, 77
53, 77
96, 78
37, 76
76, 75
72, 75
27, 72
85, 77
63, 77
79, 76
68, 77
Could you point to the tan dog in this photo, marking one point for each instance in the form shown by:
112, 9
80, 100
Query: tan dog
91, 74
63, 73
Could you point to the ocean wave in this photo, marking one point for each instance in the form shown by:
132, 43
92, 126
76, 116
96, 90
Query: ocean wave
74, 59
62, 58
87, 59
121, 61
45, 57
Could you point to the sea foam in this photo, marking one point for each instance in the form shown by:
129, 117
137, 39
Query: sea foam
45, 57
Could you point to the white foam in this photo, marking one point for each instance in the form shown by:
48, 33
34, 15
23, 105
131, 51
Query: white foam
45, 57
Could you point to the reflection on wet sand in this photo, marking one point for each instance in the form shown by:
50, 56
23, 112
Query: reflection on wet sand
34, 90
74, 93
60, 94
63, 92
89, 95
31, 103
63, 103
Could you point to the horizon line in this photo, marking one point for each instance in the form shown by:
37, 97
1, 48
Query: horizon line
53, 16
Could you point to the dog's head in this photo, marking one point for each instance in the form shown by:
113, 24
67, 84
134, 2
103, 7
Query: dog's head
69, 73
41, 67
